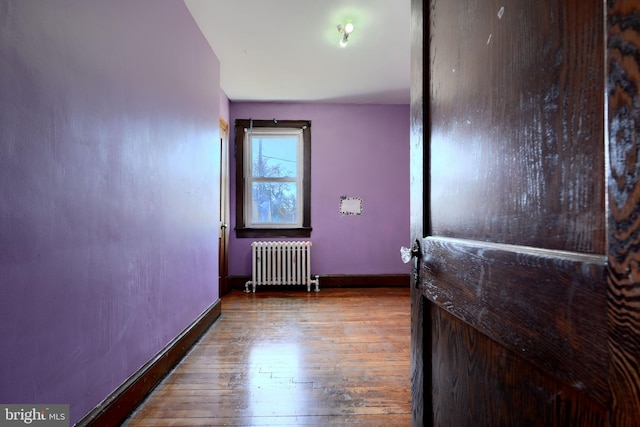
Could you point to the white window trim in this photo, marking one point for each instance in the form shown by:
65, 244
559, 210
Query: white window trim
249, 179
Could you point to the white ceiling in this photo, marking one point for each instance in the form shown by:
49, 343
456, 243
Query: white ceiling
288, 50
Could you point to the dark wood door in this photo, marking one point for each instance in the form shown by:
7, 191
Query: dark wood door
525, 170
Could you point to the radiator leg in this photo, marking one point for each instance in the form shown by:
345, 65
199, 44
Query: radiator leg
317, 283
246, 287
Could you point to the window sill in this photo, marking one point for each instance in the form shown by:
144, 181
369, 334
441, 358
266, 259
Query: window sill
273, 232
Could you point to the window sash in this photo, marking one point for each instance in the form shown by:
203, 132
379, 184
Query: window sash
250, 180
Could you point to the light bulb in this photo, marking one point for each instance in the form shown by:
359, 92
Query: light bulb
348, 28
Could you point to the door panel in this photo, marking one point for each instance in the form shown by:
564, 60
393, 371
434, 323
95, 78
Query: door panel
474, 370
517, 119
526, 295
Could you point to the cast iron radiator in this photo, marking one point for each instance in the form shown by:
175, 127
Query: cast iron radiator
282, 263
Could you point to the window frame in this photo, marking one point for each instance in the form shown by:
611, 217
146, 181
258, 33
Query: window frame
243, 230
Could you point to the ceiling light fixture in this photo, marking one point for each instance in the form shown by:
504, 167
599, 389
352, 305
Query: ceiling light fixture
345, 30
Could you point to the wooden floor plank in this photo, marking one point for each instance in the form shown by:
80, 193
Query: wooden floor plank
286, 358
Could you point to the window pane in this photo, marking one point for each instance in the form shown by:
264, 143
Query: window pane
275, 157
274, 202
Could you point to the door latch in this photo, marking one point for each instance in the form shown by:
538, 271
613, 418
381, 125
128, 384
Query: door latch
414, 253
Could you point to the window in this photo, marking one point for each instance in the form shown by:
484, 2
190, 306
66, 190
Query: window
273, 178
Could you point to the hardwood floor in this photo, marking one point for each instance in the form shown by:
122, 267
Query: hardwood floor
287, 358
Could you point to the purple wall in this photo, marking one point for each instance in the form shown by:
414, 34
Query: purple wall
108, 191
358, 151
